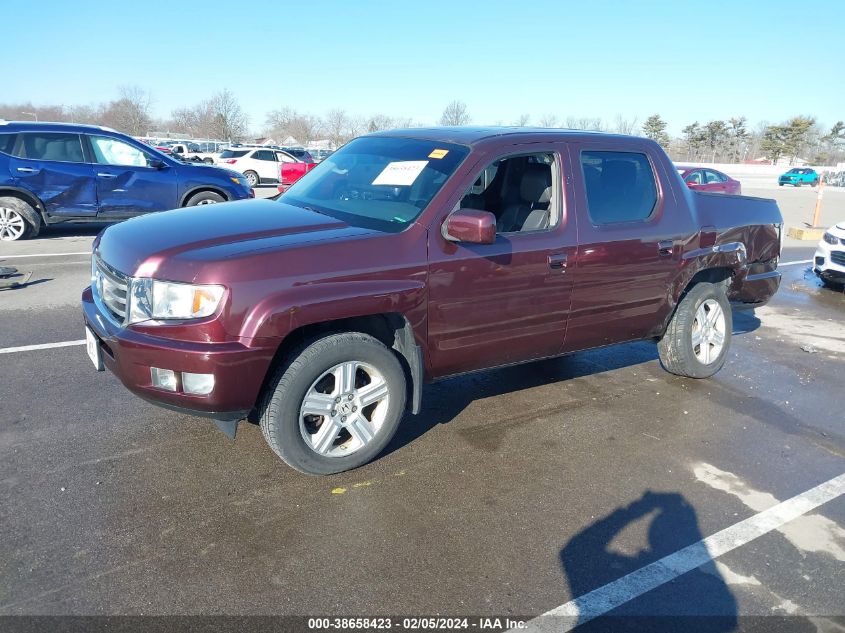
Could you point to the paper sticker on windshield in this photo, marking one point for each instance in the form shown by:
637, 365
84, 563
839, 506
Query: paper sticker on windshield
400, 173
438, 153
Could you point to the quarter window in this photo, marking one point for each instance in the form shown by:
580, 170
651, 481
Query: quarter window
7, 142
111, 151
65, 148
620, 186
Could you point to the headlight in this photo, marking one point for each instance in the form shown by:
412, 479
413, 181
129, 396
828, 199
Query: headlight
153, 299
830, 238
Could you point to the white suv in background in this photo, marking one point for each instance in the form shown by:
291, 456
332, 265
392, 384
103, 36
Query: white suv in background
258, 164
829, 261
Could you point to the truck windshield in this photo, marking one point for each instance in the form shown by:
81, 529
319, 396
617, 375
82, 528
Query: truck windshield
378, 182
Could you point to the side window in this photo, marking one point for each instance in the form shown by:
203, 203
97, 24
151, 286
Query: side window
694, 177
519, 191
111, 151
59, 146
284, 158
713, 176
620, 186
263, 154
7, 142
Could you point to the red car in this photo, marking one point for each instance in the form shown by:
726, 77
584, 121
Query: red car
706, 179
289, 173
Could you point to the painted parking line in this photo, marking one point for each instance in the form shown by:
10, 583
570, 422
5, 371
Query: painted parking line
31, 348
803, 261
42, 255
612, 595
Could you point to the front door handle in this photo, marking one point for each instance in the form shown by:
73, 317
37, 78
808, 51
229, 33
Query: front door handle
666, 247
27, 170
105, 175
557, 261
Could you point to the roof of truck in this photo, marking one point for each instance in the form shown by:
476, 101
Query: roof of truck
469, 135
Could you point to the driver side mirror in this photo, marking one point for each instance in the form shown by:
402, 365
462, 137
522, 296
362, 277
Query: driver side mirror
155, 163
470, 225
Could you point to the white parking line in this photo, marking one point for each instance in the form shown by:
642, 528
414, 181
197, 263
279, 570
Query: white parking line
30, 348
42, 255
604, 599
803, 261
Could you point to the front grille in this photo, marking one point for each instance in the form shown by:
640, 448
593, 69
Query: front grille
110, 286
838, 257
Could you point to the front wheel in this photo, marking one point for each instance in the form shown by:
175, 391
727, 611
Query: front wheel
205, 197
698, 337
336, 405
252, 178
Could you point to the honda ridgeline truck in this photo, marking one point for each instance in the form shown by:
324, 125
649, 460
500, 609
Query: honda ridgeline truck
413, 255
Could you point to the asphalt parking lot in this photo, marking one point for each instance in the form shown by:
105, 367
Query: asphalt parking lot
514, 491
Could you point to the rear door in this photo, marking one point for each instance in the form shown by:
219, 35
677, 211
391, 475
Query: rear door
714, 181
266, 164
630, 229
131, 181
52, 166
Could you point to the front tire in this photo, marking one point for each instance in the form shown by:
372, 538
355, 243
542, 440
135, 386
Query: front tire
697, 340
205, 197
336, 405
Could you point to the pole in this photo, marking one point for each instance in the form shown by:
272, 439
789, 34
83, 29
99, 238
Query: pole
818, 210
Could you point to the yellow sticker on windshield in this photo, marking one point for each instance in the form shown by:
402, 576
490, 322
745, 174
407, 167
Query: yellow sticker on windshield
438, 153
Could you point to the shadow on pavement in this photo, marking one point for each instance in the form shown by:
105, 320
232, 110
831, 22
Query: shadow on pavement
697, 601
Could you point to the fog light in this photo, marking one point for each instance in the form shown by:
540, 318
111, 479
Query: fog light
197, 384
163, 378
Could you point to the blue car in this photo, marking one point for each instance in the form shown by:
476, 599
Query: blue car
59, 172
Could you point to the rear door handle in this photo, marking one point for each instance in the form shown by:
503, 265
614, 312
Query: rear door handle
27, 170
666, 247
105, 175
557, 261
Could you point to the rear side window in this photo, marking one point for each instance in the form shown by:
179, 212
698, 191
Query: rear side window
51, 146
233, 153
7, 142
264, 154
715, 176
620, 186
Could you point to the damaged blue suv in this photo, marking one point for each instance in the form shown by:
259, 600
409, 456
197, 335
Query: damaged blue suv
59, 172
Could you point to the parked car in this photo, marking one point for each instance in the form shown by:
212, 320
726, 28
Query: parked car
192, 152
707, 179
829, 261
291, 172
57, 172
798, 176
321, 315
259, 165
300, 153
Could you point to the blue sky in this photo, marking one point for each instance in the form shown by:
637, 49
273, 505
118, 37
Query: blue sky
766, 60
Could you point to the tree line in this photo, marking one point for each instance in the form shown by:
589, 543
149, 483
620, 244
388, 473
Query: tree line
221, 117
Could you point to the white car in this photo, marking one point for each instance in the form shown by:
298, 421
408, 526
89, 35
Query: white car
829, 262
258, 164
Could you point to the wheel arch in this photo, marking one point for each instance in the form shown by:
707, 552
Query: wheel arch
200, 189
393, 329
36, 219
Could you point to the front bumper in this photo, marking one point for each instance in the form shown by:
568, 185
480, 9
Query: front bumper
239, 370
829, 262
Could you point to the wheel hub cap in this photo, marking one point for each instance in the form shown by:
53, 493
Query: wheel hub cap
708, 332
12, 225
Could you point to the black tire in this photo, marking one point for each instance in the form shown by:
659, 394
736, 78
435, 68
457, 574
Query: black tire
208, 161
204, 197
796, 184
676, 350
780, 184
252, 178
280, 405
19, 211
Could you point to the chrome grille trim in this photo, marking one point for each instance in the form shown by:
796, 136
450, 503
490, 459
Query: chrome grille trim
110, 289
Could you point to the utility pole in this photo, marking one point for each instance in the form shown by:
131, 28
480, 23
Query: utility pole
34, 114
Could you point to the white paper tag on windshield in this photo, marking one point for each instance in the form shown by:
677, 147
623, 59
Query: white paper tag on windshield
400, 174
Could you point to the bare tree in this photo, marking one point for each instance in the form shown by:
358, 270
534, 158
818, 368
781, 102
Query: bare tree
548, 120
455, 114
286, 122
523, 120
228, 120
584, 123
625, 126
336, 124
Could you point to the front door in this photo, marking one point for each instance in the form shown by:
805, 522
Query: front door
131, 181
52, 166
506, 302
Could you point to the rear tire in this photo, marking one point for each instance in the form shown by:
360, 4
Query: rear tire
204, 197
18, 220
252, 178
697, 340
356, 387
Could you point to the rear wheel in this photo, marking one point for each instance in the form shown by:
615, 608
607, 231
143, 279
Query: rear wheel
697, 340
252, 178
204, 197
336, 405
18, 219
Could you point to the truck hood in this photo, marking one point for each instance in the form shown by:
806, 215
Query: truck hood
143, 245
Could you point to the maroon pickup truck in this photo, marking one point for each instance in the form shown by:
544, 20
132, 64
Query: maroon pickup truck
413, 255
